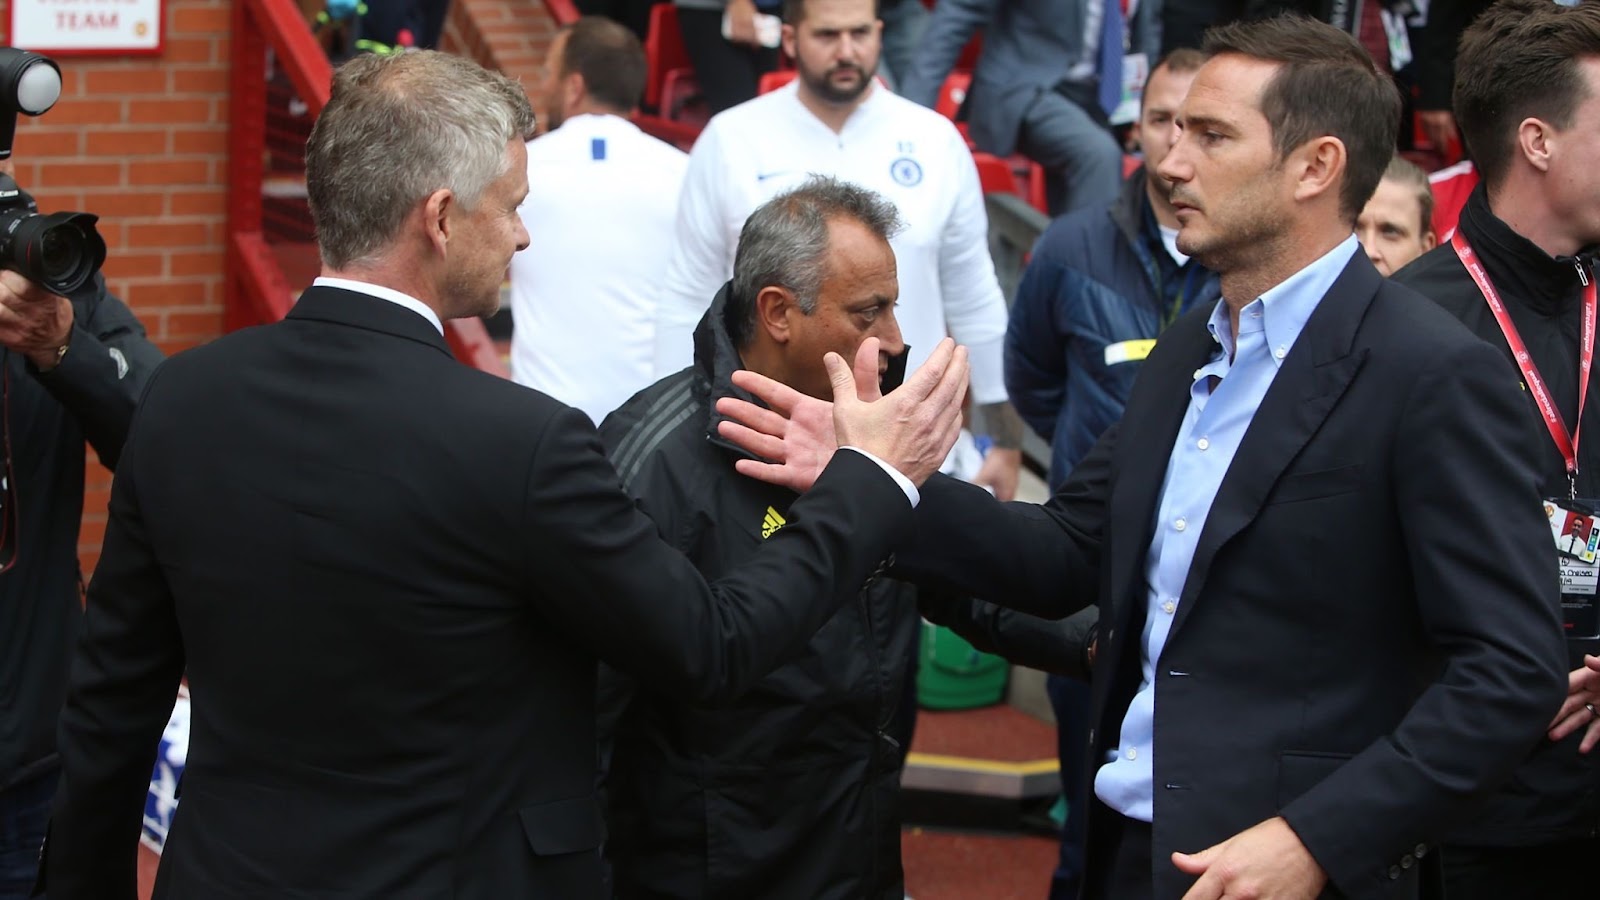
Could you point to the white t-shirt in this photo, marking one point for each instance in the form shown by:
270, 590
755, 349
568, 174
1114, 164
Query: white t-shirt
602, 202
911, 155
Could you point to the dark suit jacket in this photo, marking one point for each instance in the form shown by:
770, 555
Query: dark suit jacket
1369, 633
389, 577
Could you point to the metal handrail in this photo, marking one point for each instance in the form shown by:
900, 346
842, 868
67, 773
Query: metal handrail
1014, 227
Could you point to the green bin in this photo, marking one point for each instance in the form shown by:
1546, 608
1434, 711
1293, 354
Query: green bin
952, 674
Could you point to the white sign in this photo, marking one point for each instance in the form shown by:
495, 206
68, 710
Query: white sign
87, 27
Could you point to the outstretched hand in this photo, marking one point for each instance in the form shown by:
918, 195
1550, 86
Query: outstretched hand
911, 429
1267, 862
1579, 709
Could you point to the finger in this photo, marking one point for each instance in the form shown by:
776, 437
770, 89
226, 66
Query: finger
758, 418
1590, 739
953, 384
842, 379
1196, 863
1592, 662
775, 394
928, 375
867, 386
754, 442
768, 472
1209, 887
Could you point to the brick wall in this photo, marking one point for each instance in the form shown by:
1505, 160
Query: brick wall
142, 142
509, 35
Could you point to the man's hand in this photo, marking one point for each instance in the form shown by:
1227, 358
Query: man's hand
742, 23
1440, 127
1579, 710
33, 321
1001, 471
915, 424
1266, 862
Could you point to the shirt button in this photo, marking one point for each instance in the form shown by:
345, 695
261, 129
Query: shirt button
1394, 873
1421, 850
1281, 352
1407, 861
1203, 443
1133, 753
1180, 524
1168, 607
1196, 374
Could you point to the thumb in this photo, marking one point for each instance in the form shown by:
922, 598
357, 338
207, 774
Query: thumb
840, 376
866, 370
1196, 863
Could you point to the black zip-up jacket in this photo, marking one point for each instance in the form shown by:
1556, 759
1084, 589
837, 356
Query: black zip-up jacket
1555, 794
791, 790
91, 394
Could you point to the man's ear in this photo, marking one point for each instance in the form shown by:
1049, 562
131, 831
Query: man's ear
574, 91
787, 34
1321, 165
437, 209
1534, 137
1429, 240
773, 307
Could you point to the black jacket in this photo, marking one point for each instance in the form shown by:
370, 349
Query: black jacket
1556, 792
790, 790
91, 394
389, 578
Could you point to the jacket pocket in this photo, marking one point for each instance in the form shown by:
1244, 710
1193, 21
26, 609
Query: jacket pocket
1314, 485
564, 826
1301, 770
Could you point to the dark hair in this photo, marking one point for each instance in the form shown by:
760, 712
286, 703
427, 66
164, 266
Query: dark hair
795, 10
609, 58
1326, 84
1405, 173
1520, 60
1181, 61
784, 244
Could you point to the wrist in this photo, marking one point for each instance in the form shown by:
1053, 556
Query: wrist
48, 358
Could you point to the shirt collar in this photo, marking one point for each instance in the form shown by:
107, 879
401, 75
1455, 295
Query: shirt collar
1285, 308
383, 293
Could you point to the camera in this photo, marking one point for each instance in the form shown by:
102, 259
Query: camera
59, 251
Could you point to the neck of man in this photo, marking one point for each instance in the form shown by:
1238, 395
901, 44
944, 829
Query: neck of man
1520, 204
834, 115
1274, 264
396, 278
588, 107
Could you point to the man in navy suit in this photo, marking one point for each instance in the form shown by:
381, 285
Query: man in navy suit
1315, 537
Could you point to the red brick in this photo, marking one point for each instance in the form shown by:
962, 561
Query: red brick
111, 82
199, 202
170, 112
71, 174
134, 265
168, 294
191, 50
41, 142
124, 203
202, 323
198, 262
87, 111
57, 200
177, 345
140, 142
92, 533
200, 81
113, 233
210, 141
169, 171
167, 235
201, 20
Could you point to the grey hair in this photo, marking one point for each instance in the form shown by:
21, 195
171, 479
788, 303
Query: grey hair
784, 244
396, 129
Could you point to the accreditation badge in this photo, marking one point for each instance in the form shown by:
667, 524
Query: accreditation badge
1576, 530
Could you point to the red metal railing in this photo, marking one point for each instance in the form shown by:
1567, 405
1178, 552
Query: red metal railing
258, 291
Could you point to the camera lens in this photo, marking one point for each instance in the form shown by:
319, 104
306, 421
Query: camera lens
57, 254
59, 250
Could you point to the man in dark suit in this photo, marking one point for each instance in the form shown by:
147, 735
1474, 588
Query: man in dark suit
1315, 537
389, 576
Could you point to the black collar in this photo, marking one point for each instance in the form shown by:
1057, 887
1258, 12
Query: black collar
1517, 267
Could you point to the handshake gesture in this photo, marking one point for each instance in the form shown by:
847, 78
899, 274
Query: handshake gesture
912, 428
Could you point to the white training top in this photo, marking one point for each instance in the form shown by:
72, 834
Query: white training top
911, 155
602, 202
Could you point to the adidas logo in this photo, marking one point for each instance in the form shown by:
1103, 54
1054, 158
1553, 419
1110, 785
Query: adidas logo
771, 523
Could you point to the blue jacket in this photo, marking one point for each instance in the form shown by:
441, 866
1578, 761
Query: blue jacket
1099, 282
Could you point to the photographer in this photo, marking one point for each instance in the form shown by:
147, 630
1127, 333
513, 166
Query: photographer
74, 367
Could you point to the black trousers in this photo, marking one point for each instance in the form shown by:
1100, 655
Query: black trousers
1130, 875
729, 74
1566, 870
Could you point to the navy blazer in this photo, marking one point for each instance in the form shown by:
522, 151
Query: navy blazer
1369, 636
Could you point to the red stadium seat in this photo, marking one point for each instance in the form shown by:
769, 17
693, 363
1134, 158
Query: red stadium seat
953, 93
995, 174
771, 81
669, 75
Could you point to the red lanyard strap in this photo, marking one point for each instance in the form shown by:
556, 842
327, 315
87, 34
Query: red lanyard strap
1566, 443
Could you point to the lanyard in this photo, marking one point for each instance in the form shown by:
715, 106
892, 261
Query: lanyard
1566, 444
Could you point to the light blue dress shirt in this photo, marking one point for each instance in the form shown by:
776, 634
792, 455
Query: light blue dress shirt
1224, 398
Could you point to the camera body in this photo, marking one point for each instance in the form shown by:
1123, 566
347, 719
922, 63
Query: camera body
59, 251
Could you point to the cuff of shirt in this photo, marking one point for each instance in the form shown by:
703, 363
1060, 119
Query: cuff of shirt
911, 492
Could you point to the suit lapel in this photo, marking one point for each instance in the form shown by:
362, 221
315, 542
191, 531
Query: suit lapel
358, 310
1310, 382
